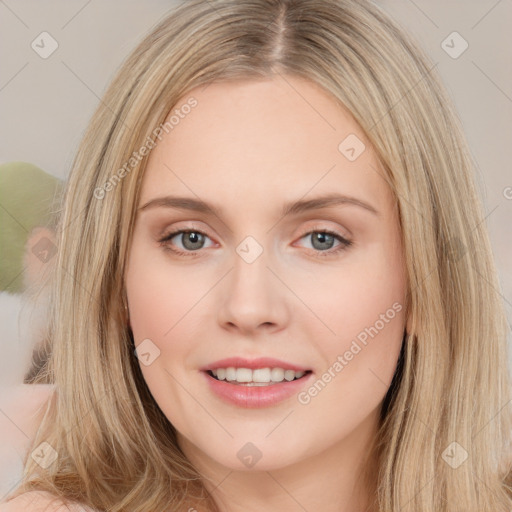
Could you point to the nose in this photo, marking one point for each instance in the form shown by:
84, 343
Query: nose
252, 298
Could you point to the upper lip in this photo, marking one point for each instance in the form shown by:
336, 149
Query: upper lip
260, 362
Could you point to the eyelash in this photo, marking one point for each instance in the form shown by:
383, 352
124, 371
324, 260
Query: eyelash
344, 243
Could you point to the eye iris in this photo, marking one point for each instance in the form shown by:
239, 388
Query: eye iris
321, 237
196, 240
193, 240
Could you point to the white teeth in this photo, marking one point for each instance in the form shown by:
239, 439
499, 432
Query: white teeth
259, 375
231, 373
243, 375
289, 375
277, 374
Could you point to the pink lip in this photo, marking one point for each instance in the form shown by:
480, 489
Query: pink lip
255, 397
252, 364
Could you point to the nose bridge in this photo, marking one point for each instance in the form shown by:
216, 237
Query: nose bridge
251, 295
250, 274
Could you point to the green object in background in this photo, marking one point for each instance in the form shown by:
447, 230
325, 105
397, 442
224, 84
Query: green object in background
27, 195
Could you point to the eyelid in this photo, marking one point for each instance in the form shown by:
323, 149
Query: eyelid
181, 227
315, 228
168, 235
344, 241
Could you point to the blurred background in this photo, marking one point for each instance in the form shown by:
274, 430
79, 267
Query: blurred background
57, 59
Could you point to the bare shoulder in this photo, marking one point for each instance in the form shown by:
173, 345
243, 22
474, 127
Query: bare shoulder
40, 501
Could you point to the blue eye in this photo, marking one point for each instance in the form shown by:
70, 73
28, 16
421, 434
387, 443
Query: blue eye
323, 241
192, 240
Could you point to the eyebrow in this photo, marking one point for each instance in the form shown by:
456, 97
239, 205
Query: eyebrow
293, 208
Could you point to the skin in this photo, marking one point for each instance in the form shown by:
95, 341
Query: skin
249, 147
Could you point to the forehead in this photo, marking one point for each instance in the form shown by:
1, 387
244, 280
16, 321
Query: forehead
253, 142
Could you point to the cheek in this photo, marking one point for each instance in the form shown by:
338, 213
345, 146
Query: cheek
161, 302
160, 295
365, 290
365, 313
169, 306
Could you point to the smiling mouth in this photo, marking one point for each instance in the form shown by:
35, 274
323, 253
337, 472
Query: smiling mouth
258, 377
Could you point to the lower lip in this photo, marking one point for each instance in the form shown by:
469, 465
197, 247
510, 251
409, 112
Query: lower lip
255, 397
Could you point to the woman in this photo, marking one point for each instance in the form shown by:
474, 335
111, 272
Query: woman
274, 287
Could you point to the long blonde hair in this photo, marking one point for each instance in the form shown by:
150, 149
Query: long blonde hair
115, 448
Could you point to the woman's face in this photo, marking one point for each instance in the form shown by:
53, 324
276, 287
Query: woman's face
245, 172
